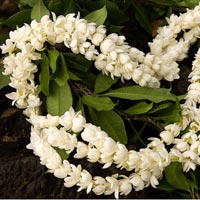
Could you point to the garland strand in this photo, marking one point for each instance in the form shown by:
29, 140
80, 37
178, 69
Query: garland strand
113, 57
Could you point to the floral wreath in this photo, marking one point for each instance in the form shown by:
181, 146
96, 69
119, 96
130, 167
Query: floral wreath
114, 57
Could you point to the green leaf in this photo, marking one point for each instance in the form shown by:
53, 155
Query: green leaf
39, 10
139, 108
60, 99
19, 18
73, 76
4, 80
30, 3
98, 16
80, 106
176, 178
88, 78
114, 29
62, 152
161, 106
98, 103
68, 6
164, 185
164, 3
77, 62
103, 83
44, 76
170, 115
55, 5
155, 95
115, 15
113, 125
61, 75
53, 55
142, 18
92, 115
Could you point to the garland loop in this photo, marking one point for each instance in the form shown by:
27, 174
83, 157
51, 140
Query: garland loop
113, 56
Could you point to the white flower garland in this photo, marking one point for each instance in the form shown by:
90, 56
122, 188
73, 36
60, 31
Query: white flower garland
115, 58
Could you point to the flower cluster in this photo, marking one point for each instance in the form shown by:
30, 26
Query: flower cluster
46, 136
116, 58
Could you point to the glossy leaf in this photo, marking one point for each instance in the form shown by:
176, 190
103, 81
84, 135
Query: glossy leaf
55, 5
161, 106
60, 99
80, 106
77, 62
39, 10
61, 75
19, 18
98, 103
155, 95
142, 18
115, 15
98, 16
30, 3
53, 55
139, 108
103, 83
4, 80
68, 6
176, 178
171, 114
113, 125
44, 76
88, 78
73, 76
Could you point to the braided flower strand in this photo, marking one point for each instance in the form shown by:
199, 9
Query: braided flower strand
113, 57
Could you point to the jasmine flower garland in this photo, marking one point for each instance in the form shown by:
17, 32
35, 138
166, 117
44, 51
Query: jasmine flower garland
113, 57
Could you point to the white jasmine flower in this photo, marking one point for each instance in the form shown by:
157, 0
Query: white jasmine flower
66, 119
154, 181
89, 133
189, 165
123, 58
125, 186
181, 145
137, 182
175, 155
63, 170
112, 186
9, 64
70, 143
78, 123
121, 155
9, 47
145, 176
55, 137
93, 155
107, 46
81, 150
99, 35
167, 137
109, 146
99, 185
44, 121
33, 101
85, 181
190, 137
133, 160
174, 128
73, 177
